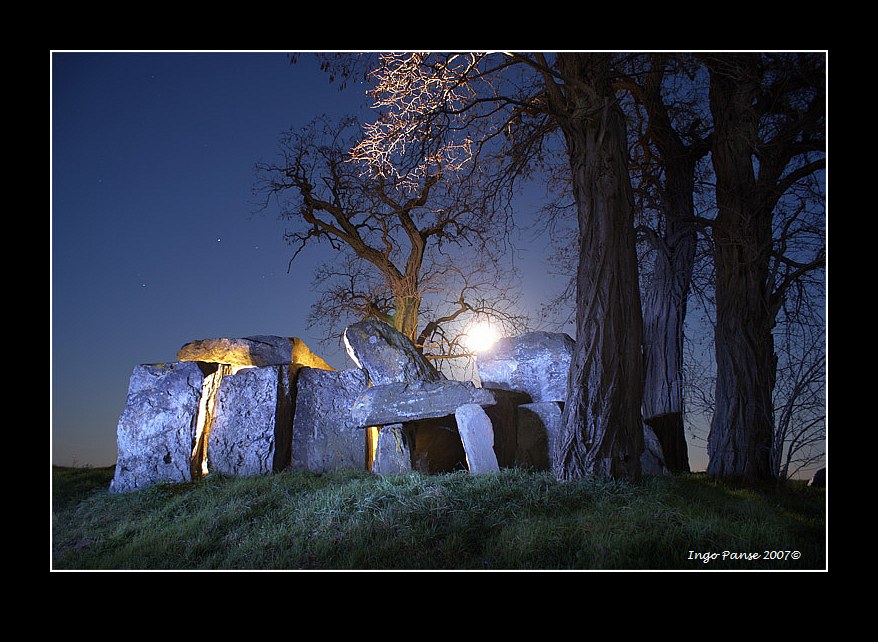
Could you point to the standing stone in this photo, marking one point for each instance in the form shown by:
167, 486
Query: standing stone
818, 480
258, 350
477, 437
652, 459
535, 363
538, 427
386, 354
252, 426
156, 433
402, 402
324, 435
393, 453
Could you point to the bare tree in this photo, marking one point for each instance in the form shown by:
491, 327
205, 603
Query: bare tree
399, 253
672, 143
462, 109
769, 122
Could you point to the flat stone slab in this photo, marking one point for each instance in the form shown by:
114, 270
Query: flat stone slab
258, 350
402, 402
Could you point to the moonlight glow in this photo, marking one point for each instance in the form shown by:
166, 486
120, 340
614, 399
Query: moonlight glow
480, 337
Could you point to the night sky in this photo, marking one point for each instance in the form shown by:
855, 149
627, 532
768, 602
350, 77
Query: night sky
155, 236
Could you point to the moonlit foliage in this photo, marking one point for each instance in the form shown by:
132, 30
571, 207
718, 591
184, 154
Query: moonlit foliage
417, 100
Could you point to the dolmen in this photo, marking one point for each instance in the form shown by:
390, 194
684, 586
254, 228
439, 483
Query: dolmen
262, 404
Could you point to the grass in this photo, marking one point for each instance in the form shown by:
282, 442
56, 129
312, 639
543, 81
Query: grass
512, 520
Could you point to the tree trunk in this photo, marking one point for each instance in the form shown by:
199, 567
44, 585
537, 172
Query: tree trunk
602, 431
664, 313
664, 310
405, 318
739, 443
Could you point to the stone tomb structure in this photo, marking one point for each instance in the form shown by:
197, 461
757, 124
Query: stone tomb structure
262, 404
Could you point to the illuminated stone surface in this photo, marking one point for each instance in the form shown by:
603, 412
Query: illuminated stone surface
325, 436
259, 350
252, 425
818, 480
535, 363
477, 437
157, 429
393, 453
538, 426
386, 355
652, 459
401, 402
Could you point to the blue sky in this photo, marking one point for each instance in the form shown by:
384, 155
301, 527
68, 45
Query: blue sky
155, 237
154, 241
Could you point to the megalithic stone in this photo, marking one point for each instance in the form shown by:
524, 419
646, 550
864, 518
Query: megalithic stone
157, 430
253, 422
325, 436
402, 402
538, 427
477, 436
386, 354
393, 453
652, 459
535, 363
258, 351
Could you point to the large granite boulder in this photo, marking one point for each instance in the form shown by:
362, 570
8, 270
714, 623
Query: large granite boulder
535, 363
258, 350
252, 426
386, 354
477, 437
538, 427
325, 437
393, 452
157, 430
652, 459
402, 402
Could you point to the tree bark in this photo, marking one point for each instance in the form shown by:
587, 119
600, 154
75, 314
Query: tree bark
405, 318
739, 443
602, 431
664, 302
664, 313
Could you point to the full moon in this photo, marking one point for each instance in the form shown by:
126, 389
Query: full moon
480, 337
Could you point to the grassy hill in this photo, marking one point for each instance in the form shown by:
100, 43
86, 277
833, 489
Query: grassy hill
508, 520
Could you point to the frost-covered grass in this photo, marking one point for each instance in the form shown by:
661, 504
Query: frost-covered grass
512, 520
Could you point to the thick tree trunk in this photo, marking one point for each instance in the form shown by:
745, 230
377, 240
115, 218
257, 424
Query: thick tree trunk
405, 318
602, 430
664, 313
739, 443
